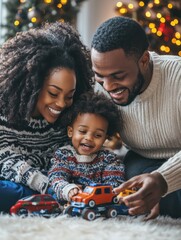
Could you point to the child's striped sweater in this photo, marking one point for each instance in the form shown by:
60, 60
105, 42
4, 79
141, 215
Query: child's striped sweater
70, 169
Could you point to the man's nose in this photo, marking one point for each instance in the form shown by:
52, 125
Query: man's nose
107, 83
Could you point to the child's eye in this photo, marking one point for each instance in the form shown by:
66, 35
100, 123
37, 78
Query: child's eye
98, 136
82, 131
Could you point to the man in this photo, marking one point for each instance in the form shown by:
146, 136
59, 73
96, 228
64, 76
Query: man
147, 87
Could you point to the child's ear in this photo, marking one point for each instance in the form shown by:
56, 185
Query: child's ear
69, 131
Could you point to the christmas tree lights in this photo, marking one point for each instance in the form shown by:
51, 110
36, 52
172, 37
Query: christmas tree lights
161, 20
25, 14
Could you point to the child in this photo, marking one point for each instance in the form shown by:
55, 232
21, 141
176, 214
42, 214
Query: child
94, 118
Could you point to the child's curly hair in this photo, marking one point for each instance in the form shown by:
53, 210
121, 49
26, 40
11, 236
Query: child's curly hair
99, 104
28, 59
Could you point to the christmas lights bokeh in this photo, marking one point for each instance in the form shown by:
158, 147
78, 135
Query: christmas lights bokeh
25, 14
161, 20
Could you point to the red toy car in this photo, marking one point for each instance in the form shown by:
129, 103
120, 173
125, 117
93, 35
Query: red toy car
38, 204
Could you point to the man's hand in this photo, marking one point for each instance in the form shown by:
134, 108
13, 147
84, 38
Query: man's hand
153, 213
151, 187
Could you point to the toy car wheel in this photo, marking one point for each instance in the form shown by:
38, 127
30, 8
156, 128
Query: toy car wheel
68, 210
89, 214
115, 200
22, 212
111, 213
91, 203
57, 211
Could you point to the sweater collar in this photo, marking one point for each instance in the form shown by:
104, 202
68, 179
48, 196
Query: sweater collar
82, 158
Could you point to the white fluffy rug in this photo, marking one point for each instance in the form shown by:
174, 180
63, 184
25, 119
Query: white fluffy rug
75, 228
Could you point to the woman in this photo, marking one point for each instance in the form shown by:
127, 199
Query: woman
42, 72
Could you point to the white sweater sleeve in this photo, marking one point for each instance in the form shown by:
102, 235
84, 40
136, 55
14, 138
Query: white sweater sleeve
152, 123
171, 171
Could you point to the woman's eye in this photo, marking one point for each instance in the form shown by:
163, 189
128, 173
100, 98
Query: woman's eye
70, 98
53, 94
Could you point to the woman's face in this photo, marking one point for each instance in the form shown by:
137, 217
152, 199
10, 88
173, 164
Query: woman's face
56, 94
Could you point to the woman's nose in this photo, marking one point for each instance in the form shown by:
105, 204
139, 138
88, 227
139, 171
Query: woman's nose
60, 103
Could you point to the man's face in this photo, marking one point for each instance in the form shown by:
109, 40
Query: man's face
118, 74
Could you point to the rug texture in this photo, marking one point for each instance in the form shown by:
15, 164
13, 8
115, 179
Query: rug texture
75, 228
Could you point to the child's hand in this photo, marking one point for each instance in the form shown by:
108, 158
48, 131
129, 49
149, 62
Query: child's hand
74, 192
153, 213
79, 186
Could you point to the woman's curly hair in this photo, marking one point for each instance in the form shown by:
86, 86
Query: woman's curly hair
99, 104
28, 59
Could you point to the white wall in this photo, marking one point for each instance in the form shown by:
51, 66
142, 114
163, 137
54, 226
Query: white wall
92, 14
2, 20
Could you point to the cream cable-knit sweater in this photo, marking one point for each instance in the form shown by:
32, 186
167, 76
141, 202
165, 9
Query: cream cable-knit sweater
152, 122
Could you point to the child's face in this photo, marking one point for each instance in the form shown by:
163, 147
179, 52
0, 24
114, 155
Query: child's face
56, 94
88, 133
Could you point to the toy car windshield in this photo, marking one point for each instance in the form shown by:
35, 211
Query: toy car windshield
88, 190
29, 198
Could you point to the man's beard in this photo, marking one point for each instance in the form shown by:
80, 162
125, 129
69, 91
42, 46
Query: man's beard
136, 90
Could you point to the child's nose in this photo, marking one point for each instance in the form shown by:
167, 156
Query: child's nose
89, 137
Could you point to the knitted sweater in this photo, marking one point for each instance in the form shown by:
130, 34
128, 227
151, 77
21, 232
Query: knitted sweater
69, 168
25, 151
152, 122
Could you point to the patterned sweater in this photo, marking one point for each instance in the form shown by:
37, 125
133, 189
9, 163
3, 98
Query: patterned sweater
26, 150
152, 122
69, 168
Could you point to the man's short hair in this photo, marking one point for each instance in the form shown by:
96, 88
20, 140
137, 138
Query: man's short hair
120, 32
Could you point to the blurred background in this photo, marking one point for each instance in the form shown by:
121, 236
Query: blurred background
161, 19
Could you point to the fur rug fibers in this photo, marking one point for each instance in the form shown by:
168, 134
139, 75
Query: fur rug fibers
75, 228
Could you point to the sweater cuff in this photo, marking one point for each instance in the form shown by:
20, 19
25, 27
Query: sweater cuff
66, 190
38, 182
171, 183
171, 172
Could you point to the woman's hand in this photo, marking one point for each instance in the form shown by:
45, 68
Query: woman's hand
151, 187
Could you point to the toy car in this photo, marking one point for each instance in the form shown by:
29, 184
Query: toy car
96, 200
38, 204
95, 194
126, 192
